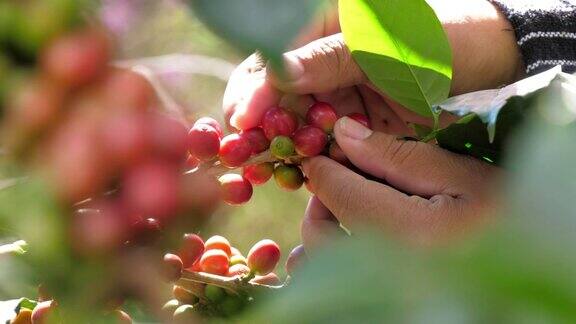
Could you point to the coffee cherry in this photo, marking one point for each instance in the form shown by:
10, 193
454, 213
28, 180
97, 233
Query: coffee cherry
168, 138
191, 162
127, 91
42, 313
282, 147
234, 151
203, 142
235, 190
235, 251
125, 138
263, 257
257, 139
214, 294
238, 270
231, 305
146, 231
270, 279
184, 296
288, 177
323, 116
172, 267
237, 259
295, 259
362, 119
336, 154
99, 231
215, 262
151, 189
170, 306
185, 314
212, 122
279, 122
309, 141
191, 250
258, 174
218, 242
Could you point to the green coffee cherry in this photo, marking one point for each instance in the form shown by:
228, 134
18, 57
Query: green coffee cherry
288, 177
232, 305
214, 294
282, 147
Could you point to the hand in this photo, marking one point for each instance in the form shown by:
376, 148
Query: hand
423, 193
485, 56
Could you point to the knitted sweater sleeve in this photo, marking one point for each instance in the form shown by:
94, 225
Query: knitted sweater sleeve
545, 31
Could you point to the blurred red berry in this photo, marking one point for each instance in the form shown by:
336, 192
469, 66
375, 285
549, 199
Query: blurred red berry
215, 262
191, 249
258, 174
212, 122
203, 142
235, 190
218, 242
278, 121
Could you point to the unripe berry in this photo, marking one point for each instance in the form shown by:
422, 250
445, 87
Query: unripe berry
170, 306
279, 121
257, 139
263, 257
214, 294
218, 242
212, 122
184, 296
203, 142
323, 116
231, 305
309, 141
237, 259
282, 147
270, 279
288, 177
172, 267
234, 151
362, 119
295, 259
191, 250
235, 190
42, 312
185, 314
258, 174
238, 270
215, 262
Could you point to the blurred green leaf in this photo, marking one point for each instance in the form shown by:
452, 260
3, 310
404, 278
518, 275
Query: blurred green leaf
402, 48
269, 26
18, 247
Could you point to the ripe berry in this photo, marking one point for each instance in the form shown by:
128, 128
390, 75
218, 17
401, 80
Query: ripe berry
184, 295
151, 189
235, 190
218, 242
288, 177
362, 119
279, 121
270, 279
125, 138
146, 231
263, 257
214, 294
237, 259
42, 312
191, 162
323, 116
295, 259
215, 262
238, 270
234, 150
191, 250
257, 139
168, 138
258, 174
282, 147
309, 141
172, 267
203, 142
212, 122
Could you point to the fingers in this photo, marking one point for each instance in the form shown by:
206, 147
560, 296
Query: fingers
356, 201
321, 66
319, 225
414, 167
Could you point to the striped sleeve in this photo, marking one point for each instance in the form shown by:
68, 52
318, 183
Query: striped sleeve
545, 30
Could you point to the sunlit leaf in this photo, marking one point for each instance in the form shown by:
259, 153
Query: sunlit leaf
402, 48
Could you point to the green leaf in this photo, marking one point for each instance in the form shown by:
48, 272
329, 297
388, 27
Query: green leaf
269, 26
402, 48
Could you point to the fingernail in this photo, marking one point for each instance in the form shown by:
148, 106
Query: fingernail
293, 68
353, 129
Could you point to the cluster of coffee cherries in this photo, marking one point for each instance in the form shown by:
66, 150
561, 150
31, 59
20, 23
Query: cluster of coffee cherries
214, 278
273, 149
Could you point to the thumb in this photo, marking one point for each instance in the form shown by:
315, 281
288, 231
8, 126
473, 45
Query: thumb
414, 167
321, 66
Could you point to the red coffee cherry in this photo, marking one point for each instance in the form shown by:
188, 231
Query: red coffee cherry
258, 174
203, 142
263, 257
362, 119
257, 139
309, 141
235, 190
191, 249
215, 262
172, 267
234, 151
212, 122
218, 242
270, 279
238, 270
323, 116
278, 121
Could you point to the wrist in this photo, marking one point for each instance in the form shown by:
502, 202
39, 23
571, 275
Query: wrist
485, 52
